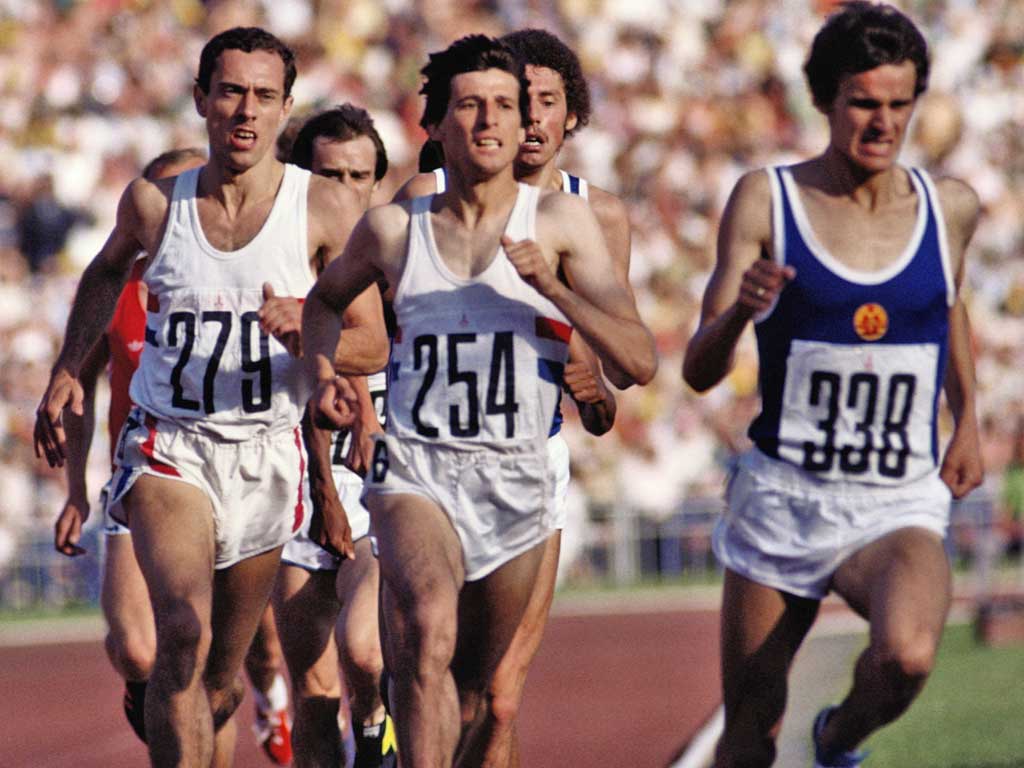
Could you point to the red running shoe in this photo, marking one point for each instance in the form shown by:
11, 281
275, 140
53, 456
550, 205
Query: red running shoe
274, 733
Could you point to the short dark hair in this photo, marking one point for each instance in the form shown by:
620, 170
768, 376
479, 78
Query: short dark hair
246, 39
155, 167
542, 49
431, 157
472, 53
342, 123
860, 37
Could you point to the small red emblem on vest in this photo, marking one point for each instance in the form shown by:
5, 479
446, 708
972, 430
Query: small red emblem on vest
871, 321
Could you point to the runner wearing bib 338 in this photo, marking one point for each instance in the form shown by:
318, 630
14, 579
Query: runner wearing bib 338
849, 266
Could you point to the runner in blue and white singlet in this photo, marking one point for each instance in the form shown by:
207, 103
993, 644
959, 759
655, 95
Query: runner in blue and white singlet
849, 266
853, 362
852, 367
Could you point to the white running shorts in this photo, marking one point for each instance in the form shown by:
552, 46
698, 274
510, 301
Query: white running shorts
787, 529
303, 552
110, 526
256, 487
498, 502
558, 463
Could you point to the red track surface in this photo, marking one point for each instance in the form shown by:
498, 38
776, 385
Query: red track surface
618, 690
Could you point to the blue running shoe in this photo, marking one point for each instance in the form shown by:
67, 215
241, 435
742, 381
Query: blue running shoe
824, 759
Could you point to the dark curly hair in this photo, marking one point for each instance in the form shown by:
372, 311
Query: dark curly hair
860, 37
342, 123
246, 39
472, 53
542, 49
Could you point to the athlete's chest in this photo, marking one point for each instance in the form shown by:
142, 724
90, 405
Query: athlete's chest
231, 231
862, 240
466, 252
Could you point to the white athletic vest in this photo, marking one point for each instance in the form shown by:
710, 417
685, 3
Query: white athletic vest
206, 365
475, 362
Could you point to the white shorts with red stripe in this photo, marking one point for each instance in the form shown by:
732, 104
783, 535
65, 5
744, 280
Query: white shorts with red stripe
256, 487
305, 553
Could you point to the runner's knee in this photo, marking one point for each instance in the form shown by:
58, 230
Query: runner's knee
224, 701
362, 652
182, 642
908, 660
318, 682
132, 653
429, 635
503, 708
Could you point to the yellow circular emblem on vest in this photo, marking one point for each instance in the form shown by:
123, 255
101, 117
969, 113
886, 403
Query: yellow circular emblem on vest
871, 321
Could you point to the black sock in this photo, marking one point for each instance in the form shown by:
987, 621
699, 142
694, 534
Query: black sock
135, 706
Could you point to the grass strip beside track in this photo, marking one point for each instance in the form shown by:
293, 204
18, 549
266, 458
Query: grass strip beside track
969, 715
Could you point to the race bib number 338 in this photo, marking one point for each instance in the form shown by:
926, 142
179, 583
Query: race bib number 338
860, 412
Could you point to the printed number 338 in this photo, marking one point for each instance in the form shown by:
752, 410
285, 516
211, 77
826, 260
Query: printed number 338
860, 395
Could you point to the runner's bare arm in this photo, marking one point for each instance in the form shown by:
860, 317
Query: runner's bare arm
67, 529
584, 383
362, 346
360, 452
342, 281
594, 302
744, 282
329, 526
613, 218
140, 215
962, 467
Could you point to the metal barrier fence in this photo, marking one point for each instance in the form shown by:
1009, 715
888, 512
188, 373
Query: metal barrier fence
623, 549
619, 548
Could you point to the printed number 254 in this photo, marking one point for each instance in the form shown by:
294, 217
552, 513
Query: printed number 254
464, 420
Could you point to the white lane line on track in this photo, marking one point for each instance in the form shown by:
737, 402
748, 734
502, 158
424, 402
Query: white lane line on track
701, 749
702, 746
50, 631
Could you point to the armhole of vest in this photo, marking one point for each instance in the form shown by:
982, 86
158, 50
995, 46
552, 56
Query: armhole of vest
778, 229
778, 212
531, 210
416, 231
302, 201
179, 205
935, 206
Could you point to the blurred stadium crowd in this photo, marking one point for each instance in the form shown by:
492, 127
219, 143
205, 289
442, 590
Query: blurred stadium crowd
687, 95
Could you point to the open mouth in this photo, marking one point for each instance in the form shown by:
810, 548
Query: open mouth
243, 138
877, 146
